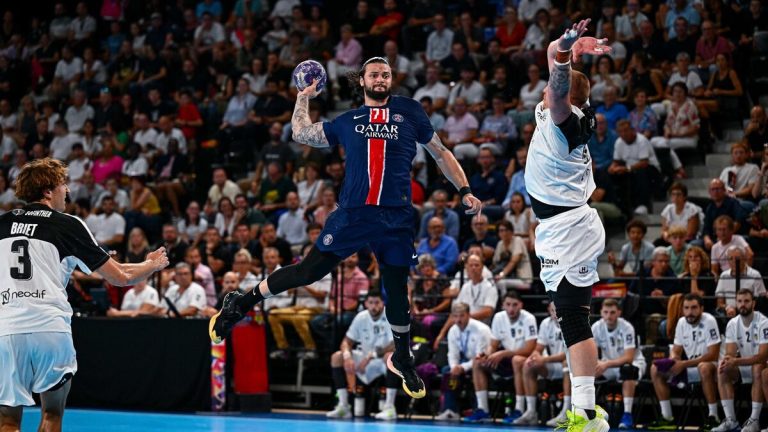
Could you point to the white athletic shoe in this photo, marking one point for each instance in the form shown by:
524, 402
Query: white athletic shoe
727, 425
449, 415
386, 414
340, 412
529, 418
560, 418
751, 425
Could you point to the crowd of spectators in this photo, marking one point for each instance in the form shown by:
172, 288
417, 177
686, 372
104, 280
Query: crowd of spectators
174, 118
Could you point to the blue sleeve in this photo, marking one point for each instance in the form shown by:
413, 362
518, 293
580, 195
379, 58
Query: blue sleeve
424, 130
330, 131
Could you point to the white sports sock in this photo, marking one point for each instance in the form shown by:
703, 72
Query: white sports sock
391, 394
566, 403
343, 395
628, 404
756, 408
728, 409
520, 403
583, 393
530, 403
713, 410
482, 399
666, 409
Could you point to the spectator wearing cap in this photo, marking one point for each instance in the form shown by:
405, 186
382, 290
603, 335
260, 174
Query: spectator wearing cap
468, 88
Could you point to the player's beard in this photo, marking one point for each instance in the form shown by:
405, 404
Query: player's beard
377, 95
744, 311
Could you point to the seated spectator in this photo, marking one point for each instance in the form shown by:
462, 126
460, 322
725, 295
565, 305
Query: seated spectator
78, 164
274, 190
634, 252
710, 45
643, 76
90, 139
459, 131
659, 281
226, 218
348, 57
724, 230
743, 360
740, 178
275, 150
618, 50
175, 247
270, 260
479, 293
108, 227
310, 189
697, 278
170, 175
723, 90
513, 334
187, 297
468, 338
144, 211
192, 226
602, 144
686, 76
61, 144
440, 246
68, 73
702, 353
517, 182
681, 129
681, 213
677, 249
142, 299
760, 188
229, 283
631, 169
530, 95
522, 219
355, 368
456, 62
428, 290
756, 133
88, 189
469, 89
536, 35
605, 77
145, 134
167, 133
535, 365
749, 278
436, 119
489, 184
221, 186
683, 10
510, 32
511, 263
642, 117
327, 206
234, 124
78, 112
721, 205
433, 88
291, 225
125, 69
241, 266
403, 79
481, 236
497, 129
611, 108
620, 357
135, 164
440, 210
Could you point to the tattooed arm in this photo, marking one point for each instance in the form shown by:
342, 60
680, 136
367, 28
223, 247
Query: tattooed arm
304, 131
452, 171
559, 60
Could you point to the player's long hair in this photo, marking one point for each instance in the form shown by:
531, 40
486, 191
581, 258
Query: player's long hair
39, 176
354, 76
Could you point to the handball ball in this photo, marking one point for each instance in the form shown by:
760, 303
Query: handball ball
306, 72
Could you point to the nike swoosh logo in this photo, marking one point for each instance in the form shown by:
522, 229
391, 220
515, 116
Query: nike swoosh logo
357, 117
415, 256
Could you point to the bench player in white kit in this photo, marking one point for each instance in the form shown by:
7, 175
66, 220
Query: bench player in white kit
570, 236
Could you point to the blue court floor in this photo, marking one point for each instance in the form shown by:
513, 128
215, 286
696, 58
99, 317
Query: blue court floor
77, 420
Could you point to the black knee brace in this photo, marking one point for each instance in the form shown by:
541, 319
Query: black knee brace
310, 270
572, 304
394, 280
629, 372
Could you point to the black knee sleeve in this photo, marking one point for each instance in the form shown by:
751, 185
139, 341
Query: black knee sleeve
311, 269
572, 304
392, 380
394, 280
629, 372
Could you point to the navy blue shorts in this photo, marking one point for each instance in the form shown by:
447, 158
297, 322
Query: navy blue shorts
387, 230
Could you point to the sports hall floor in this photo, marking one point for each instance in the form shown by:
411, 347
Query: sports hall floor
77, 420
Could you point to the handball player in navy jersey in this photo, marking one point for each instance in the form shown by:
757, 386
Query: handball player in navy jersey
380, 140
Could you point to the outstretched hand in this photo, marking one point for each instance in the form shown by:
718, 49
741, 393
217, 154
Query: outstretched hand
311, 90
569, 38
159, 258
589, 45
473, 204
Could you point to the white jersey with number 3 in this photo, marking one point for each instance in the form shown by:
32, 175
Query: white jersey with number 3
554, 175
748, 339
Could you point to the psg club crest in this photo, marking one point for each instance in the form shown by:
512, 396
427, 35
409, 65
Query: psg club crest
328, 239
398, 118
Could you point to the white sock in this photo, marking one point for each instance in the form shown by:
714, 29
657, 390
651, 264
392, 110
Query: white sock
566, 403
583, 393
756, 408
482, 399
343, 395
666, 409
530, 403
728, 409
713, 410
628, 404
391, 394
520, 403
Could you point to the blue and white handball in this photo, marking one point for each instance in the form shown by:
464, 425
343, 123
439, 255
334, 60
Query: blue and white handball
306, 72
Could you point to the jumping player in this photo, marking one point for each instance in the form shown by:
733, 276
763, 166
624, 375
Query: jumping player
570, 236
41, 246
380, 140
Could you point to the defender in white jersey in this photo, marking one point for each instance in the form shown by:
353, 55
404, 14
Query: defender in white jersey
539, 364
41, 246
696, 336
746, 350
570, 236
362, 357
620, 360
513, 334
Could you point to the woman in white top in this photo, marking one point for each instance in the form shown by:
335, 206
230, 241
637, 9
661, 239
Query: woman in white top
532, 93
605, 76
311, 188
257, 77
511, 263
226, 218
522, 219
680, 212
192, 226
141, 299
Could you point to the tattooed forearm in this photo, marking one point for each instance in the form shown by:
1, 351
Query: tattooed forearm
560, 80
304, 131
447, 162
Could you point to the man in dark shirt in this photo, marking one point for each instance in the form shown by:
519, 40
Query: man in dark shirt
156, 107
481, 236
489, 184
191, 81
274, 189
107, 112
721, 204
456, 62
215, 253
682, 42
658, 281
241, 239
175, 247
276, 151
269, 238
270, 107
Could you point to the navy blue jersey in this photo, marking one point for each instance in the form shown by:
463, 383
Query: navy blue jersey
380, 143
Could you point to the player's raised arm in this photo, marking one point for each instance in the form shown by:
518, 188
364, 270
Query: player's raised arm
453, 172
559, 59
304, 131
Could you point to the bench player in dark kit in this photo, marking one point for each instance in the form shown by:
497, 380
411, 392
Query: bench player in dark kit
380, 140
39, 248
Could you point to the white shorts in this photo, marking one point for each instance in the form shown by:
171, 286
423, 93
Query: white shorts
375, 368
746, 374
568, 245
614, 373
554, 370
33, 363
